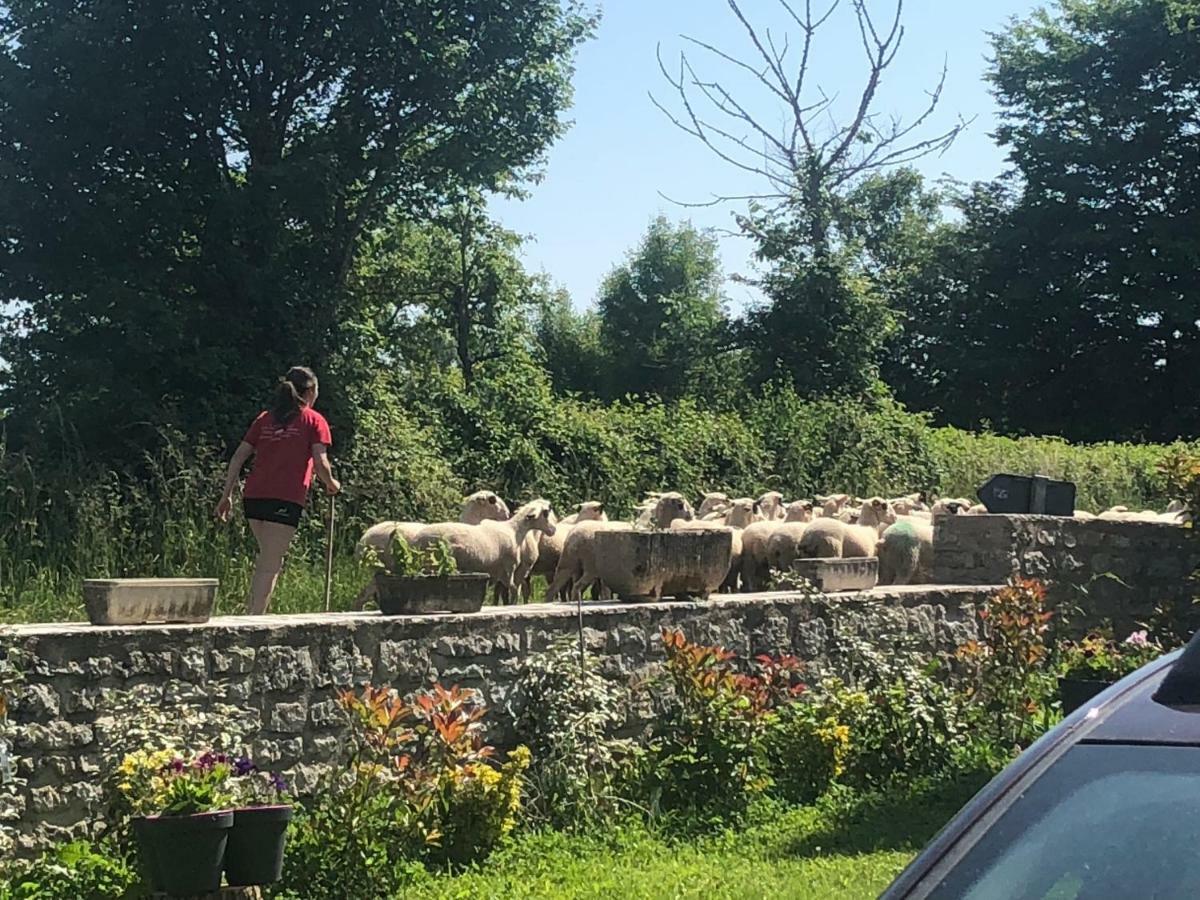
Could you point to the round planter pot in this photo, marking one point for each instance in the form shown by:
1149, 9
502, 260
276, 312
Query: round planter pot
254, 854
1075, 692
185, 854
146, 854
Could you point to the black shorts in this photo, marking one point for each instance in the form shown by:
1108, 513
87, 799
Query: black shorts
281, 512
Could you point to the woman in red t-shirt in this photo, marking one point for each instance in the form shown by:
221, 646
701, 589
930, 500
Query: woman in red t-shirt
288, 441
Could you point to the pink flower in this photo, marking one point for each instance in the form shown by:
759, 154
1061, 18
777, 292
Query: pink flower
1138, 639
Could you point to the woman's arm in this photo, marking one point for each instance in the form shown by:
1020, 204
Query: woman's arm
323, 470
243, 453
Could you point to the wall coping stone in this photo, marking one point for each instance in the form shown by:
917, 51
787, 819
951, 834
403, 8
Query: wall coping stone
897, 595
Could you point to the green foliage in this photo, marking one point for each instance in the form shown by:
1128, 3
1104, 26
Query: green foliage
709, 754
418, 786
70, 872
662, 318
567, 716
807, 746
435, 560
1005, 672
1068, 278
1099, 657
826, 446
243, 198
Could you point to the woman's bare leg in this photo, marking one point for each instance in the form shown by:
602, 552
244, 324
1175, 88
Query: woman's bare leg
273, 541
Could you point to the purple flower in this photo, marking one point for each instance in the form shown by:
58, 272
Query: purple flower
243, 766
209, 760
175, 766
1138, 639
278, 783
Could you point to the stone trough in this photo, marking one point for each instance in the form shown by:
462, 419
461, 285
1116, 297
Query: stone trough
641, 565
832, 575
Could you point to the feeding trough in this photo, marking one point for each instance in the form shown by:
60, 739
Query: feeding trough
651, 565
833, 575
145, 601
415, 595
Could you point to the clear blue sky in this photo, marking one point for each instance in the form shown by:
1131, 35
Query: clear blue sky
604, 178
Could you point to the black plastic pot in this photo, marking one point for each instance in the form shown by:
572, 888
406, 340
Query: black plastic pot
254, 854
1075, 692
184, 855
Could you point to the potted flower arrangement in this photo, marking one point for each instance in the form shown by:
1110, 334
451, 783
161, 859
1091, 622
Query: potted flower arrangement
1097, 661
182, 816
424, 581
254, 854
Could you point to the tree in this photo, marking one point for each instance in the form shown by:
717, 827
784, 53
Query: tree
455, 282
570, 344
822, 300
1069, 294
184, 186
662, 316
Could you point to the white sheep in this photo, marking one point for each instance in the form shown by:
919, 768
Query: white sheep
905, 553
770, 506
830, 539
713, 503
666, 509
832, 506
491, 547
476, 508
550, 546
876, 513
799, 511
577, 566
784, 546
483, 506
743, 512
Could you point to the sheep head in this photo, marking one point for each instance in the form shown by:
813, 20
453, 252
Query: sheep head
537, 515
484, 505
742, 512
592, 511
799, 511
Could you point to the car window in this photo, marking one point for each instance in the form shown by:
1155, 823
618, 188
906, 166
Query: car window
1103, 821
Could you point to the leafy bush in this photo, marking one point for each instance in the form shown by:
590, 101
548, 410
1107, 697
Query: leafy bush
708, 755
418, 786
70, 872
1098, 656
903, 718
1106, 475
806, 746
1005, 673
566, 712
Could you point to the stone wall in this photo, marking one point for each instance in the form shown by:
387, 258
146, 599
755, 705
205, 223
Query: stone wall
284, 672
1116, 571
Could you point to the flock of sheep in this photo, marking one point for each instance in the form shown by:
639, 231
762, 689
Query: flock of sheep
768, 534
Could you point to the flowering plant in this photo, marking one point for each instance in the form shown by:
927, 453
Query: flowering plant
167, 783
253, 786
1100, 657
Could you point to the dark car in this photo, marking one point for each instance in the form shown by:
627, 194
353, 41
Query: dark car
1105, 805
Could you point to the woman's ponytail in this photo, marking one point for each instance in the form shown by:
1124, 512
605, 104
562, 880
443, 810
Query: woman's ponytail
289, 394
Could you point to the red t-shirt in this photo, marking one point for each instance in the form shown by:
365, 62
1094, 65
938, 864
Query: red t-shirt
283, 462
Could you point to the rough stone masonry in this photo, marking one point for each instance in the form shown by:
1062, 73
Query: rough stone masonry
284, 672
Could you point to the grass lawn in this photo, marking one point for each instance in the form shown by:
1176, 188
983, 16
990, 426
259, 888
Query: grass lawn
847, 851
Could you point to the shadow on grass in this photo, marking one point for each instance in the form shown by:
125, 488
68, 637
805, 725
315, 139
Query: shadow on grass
894, 819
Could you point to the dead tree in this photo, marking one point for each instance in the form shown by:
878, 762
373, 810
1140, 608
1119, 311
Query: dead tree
811, 157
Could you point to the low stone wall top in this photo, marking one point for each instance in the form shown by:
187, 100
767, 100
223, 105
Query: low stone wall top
1121, 571
284, 672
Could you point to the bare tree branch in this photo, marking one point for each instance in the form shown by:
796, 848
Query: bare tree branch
811, 154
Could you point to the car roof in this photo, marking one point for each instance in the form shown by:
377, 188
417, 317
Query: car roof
1126, 713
